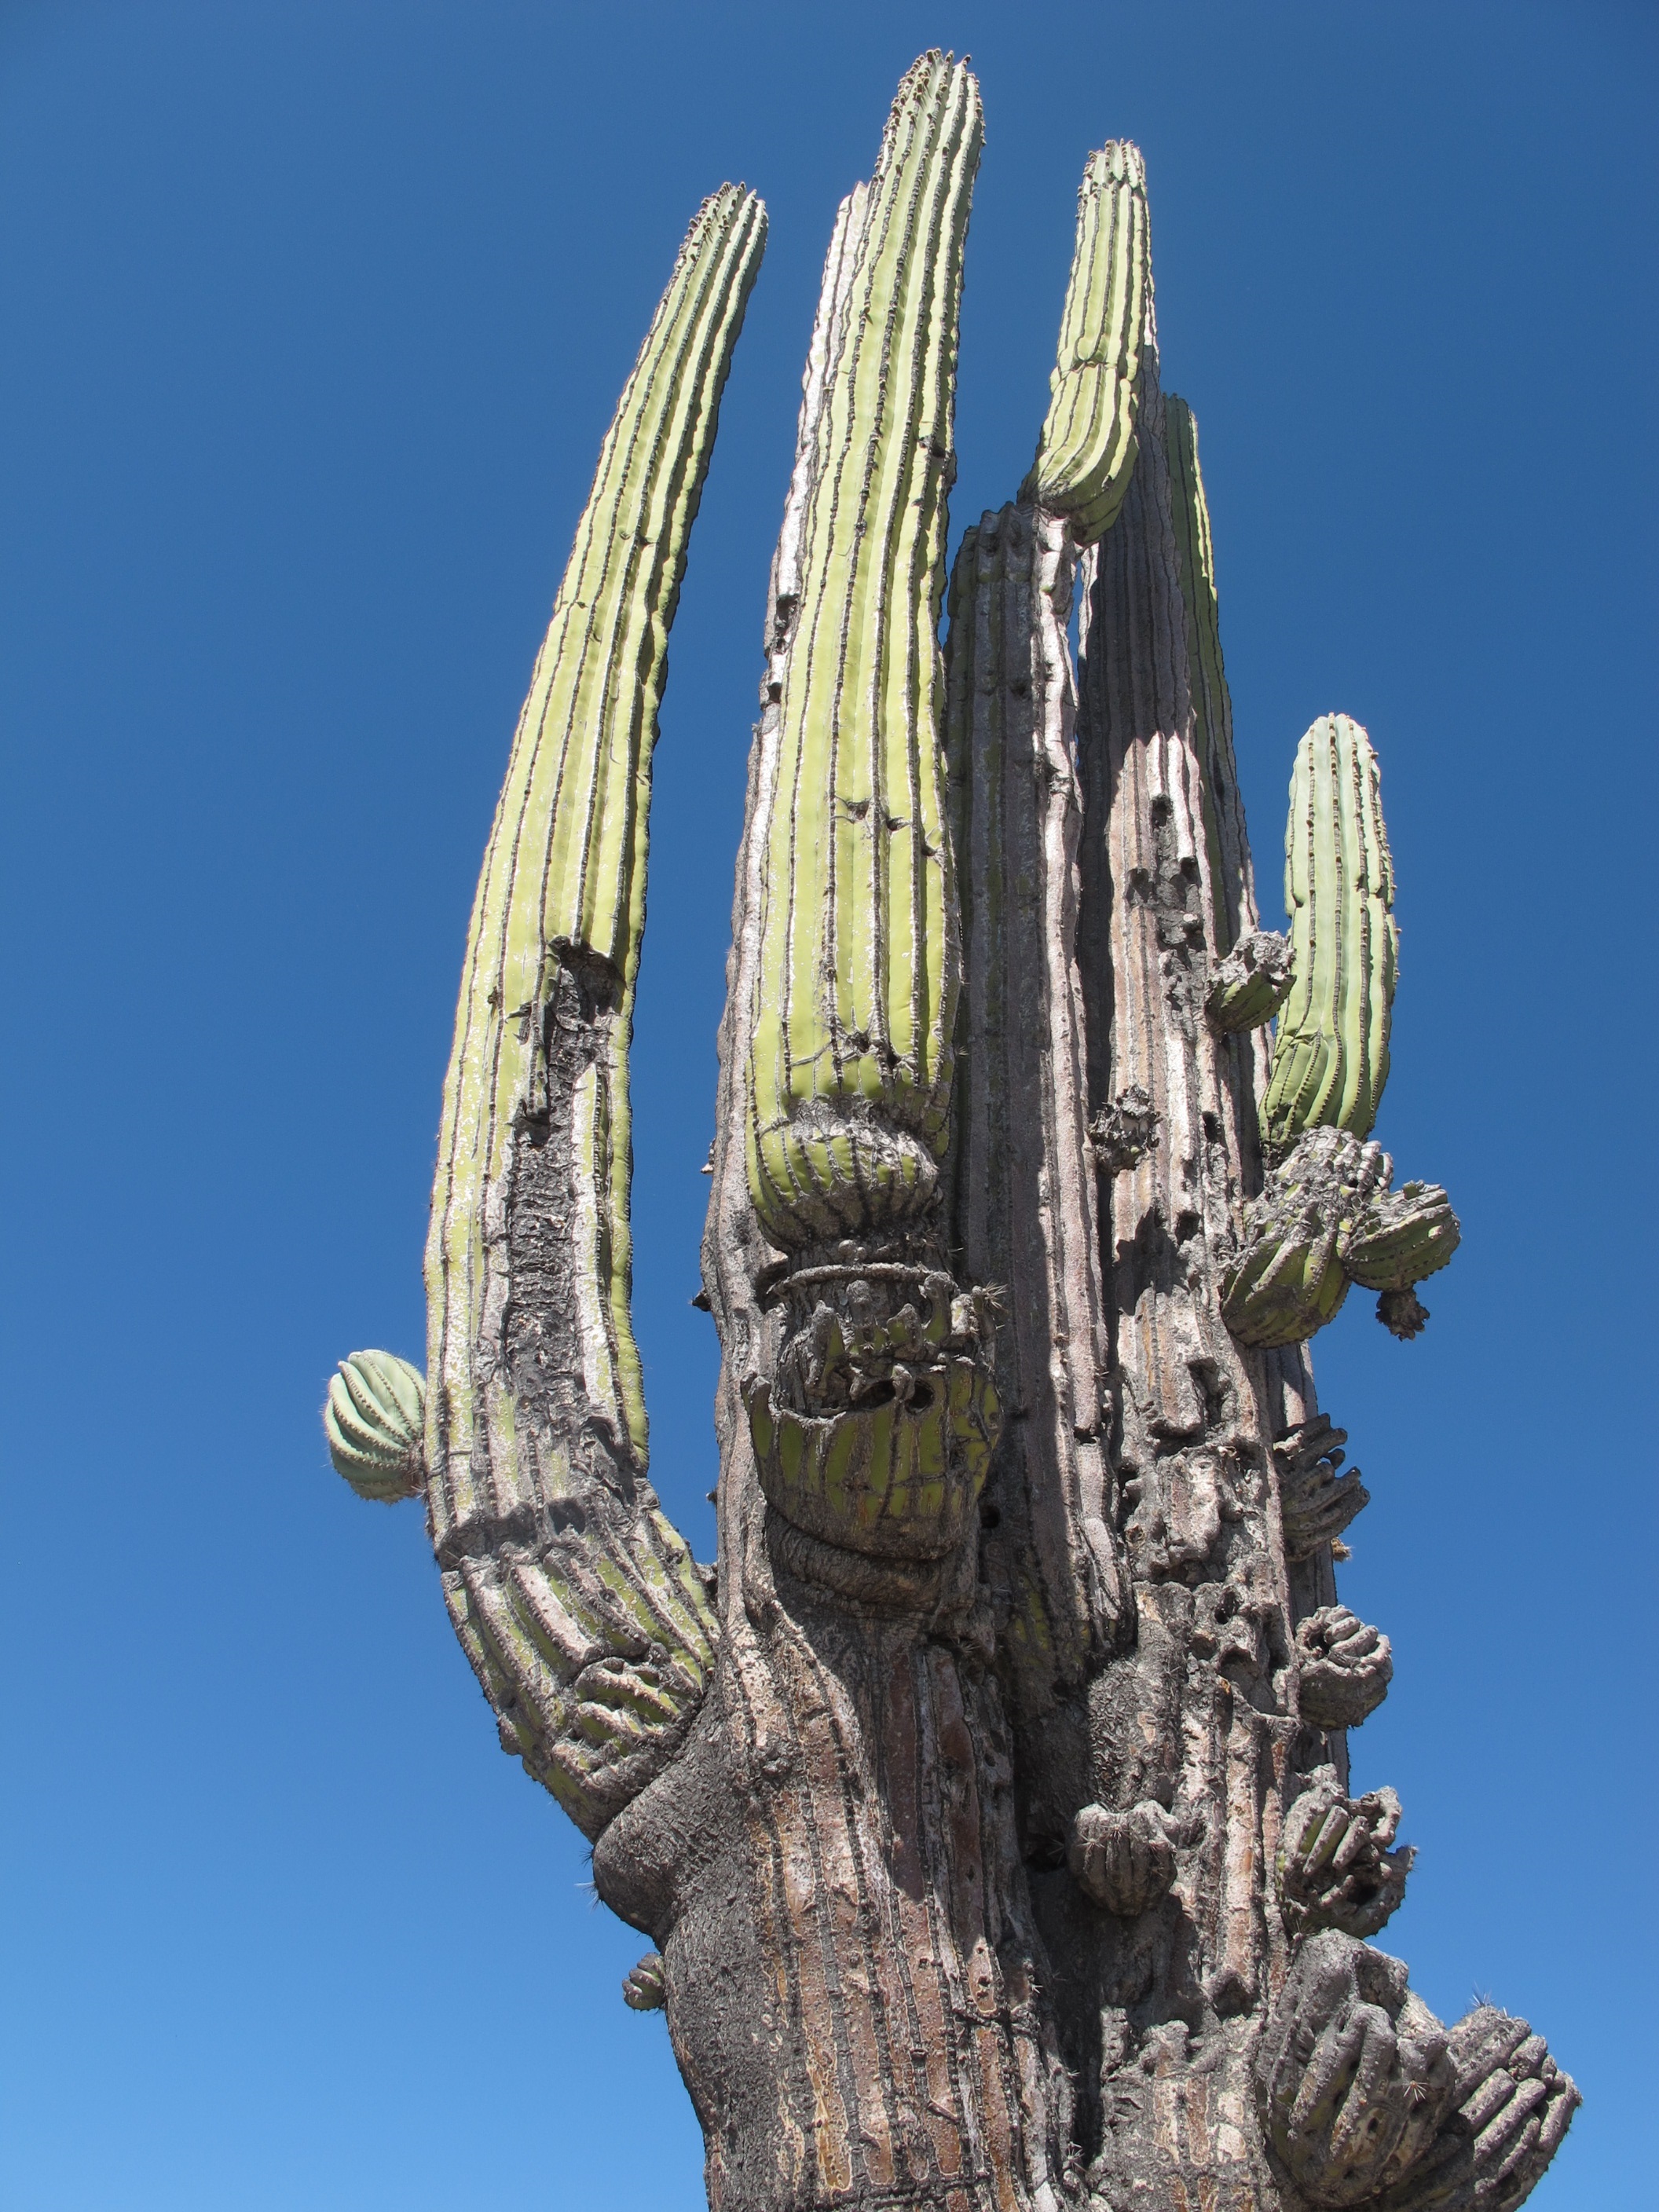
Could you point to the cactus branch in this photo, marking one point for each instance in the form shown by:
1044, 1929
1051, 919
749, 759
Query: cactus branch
578, 1605
1331, 1054
851, 1029
1087, 449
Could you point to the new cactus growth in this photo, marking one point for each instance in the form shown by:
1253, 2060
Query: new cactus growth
375, 1422
987, 1806
1331, 1053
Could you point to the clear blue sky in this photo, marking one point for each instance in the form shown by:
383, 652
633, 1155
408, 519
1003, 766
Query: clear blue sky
314, 315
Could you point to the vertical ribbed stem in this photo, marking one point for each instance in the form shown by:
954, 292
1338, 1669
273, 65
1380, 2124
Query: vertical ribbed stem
1331, 1052
1024, 1198
855, 994
1190, 1447
560, 1572
1087, 449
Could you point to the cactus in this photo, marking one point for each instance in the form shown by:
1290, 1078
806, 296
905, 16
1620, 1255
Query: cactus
1331, 1053
1087, 449
1023, 1648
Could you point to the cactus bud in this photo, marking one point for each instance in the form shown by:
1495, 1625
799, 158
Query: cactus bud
1087, 449
375, 1419
1331, 1054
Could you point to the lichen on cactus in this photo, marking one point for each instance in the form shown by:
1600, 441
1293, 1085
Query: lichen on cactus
1087, 449
375, 1422
850, 1043
1331, 1052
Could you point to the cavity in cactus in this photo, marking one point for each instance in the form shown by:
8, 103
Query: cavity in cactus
986, 1805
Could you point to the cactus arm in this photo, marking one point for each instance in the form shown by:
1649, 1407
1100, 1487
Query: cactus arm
576, 1601
1331, 1054
850, 1041
1087, 449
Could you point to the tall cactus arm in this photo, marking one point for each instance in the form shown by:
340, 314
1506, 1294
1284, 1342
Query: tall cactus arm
1087, 449
856, 984
1331, 1054
578, 1604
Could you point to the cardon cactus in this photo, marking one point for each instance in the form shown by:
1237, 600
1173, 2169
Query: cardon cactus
987, 1804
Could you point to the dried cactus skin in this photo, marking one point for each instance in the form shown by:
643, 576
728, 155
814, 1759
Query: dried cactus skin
1316, 1503
1087, 449
1024, 1198
578, 1605
1251, 984
375, 1420
1331, 1053
850, 1035
1335, 1867
1355, 2072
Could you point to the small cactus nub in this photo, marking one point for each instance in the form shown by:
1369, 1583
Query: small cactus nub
1331, 1053
1087, 449
374, 1418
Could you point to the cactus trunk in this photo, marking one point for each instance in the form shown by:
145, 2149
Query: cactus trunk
989, 1809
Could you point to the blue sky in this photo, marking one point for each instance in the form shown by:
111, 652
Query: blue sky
315, 315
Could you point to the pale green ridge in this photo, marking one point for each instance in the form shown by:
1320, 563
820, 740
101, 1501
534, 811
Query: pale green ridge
374, 1418
1087, 450
594, 1640
1331, 1050
850, 1051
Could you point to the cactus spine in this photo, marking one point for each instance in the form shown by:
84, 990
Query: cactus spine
1331, 1054
850, 1048
1087, 449
988, 1811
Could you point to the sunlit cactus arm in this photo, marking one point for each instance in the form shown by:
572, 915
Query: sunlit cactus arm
1331, 1052
850, 1043
1087, 449
579, 1607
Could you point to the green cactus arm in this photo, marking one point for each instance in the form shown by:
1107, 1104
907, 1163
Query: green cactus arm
1087, 449
1331, 1052
578, 1603
849, 1048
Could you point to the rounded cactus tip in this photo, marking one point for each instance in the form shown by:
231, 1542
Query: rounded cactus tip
375, 1421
